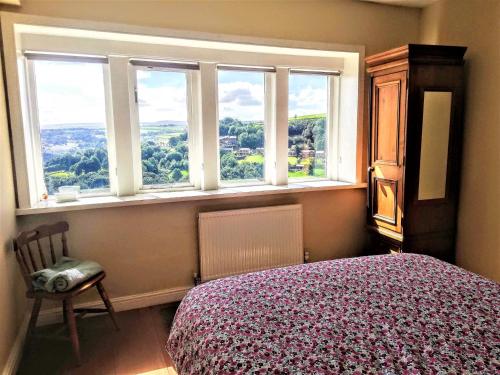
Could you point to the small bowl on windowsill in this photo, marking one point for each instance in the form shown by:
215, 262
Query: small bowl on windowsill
67, 194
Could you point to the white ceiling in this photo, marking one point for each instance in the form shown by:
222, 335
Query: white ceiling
405, 3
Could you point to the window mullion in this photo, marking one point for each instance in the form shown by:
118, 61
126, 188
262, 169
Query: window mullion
332, 145
194, 128
279, 130
269, 126
209, 126
122, 125
135, 129
109, 130
34, 137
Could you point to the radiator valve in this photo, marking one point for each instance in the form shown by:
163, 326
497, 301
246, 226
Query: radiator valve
197, 279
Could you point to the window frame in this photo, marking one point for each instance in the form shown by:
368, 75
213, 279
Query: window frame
192, 122
33, 124
124, 42
268, 73
331, 125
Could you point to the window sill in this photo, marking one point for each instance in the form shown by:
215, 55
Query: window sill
185, 196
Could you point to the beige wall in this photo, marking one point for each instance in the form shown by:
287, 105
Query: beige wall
337, 21
11, 287
153, 247
475, 24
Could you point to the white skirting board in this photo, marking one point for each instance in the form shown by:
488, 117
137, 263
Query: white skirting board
54, 315
135, 301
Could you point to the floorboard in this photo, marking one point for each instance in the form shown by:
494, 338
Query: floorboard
138, 348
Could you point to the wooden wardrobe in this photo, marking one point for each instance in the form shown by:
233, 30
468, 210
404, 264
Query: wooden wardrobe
416, 105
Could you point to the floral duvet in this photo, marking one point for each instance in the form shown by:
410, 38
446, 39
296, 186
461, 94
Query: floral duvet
389, 314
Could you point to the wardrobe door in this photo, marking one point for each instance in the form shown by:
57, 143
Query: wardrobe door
388, 119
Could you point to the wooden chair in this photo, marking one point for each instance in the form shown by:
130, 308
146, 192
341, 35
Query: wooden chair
27, 258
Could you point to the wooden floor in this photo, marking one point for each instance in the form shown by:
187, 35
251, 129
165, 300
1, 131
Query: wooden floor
138, 348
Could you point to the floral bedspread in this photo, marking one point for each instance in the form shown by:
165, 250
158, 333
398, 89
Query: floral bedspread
389, 314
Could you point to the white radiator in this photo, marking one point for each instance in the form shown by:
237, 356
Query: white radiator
240, 241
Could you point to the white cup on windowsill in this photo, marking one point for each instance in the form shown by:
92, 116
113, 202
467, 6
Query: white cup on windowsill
67, 194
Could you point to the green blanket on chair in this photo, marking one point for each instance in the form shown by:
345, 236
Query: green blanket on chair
65, 274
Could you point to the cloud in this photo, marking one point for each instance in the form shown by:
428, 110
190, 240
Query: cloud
162, 103
307, 100
74, 93
69, 93
241, 96
242, 100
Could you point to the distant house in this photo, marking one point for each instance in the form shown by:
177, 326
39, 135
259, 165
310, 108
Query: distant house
320, 154
307, 153
260, 150
296, 168
163, 142
229, 141
243, 152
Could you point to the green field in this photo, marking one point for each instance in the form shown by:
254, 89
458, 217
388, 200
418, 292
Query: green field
256, 159
162, 132
318, 172
309, 117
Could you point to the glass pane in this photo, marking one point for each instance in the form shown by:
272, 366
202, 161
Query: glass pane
241, 126
163, 119
434, 148
72, 116
307, 109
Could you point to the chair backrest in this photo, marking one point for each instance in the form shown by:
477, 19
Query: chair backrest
29, 250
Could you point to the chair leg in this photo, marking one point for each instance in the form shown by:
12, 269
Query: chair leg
70, 317
108, 304
65, 318
34, 317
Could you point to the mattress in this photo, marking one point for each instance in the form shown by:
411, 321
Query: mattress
389, 314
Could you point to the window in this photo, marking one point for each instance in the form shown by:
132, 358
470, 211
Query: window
307, 124
154, 112
241, 125
162, 98
69, 109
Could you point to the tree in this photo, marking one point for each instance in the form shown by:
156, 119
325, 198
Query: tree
148, 166
94, 180
176, 175
174, 156
182, 149
87, 165
62, 163
296, 150
173, 141
228, 160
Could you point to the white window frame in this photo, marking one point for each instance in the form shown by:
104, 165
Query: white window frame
35, 130
120, 43
269, 104
331, 127
192, 121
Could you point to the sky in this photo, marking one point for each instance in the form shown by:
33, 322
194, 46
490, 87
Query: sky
74, 93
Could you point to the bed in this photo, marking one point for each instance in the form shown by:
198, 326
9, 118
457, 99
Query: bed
388, 314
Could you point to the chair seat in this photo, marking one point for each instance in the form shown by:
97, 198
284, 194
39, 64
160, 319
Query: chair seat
64, 274
76, 290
